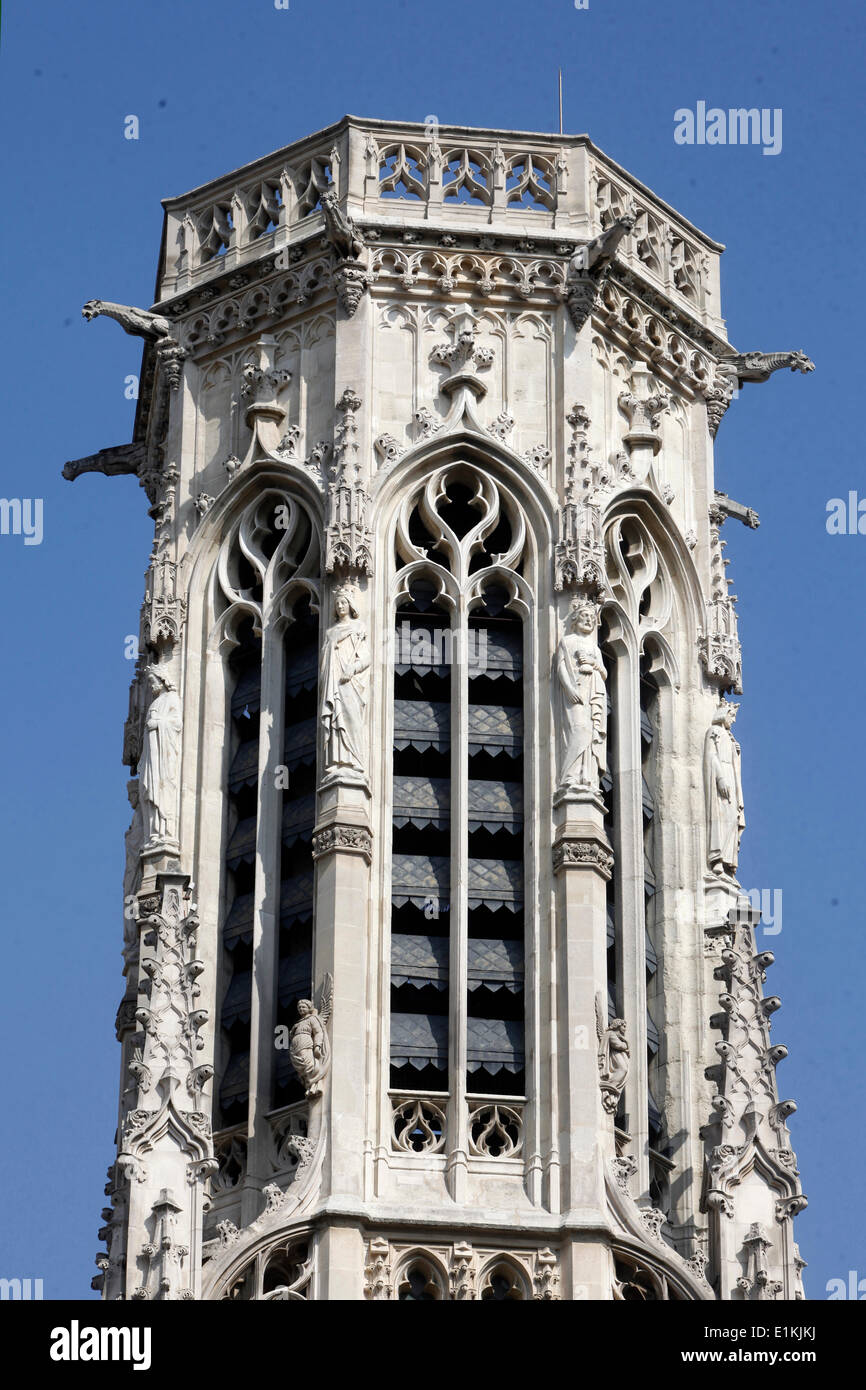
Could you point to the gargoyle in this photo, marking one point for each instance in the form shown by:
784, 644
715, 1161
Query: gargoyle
139, 323
759, 366
122, 458
340, 230
588, 268
597, 256
726, 506
739, 367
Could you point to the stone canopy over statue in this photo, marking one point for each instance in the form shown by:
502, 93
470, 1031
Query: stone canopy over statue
344, 679
581, 700
724, 791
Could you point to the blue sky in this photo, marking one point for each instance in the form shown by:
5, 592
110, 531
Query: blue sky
217, 84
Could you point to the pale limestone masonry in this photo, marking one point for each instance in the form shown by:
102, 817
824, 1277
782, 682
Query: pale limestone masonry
439, 980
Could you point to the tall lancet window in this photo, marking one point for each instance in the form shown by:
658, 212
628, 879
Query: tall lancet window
458, 872
640, 660
267, 578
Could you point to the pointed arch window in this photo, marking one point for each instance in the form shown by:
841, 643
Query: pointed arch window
637, 647
267, 581
458, 867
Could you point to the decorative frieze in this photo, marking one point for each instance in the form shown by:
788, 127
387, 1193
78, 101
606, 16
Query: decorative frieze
459, 1272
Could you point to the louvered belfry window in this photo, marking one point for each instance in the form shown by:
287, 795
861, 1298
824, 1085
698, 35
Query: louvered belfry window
457, 865
268, 578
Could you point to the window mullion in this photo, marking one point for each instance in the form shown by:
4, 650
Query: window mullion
457, 1029
266, 894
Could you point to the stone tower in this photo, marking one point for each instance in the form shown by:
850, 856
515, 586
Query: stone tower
439, 980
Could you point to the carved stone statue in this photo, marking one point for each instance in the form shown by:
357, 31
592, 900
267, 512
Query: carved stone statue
613, 1055
343, 682
134, 840
139, 323
581, 677
724, 791
160, 759
309, 1049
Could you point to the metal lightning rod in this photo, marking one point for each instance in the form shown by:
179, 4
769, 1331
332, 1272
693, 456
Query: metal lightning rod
560, 101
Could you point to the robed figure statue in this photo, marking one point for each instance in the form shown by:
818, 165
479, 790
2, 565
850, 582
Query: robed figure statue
159, 763
580, 684
343, 683
724, 791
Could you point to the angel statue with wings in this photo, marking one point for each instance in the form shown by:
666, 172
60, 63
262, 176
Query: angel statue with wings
309, 1048
613, 1055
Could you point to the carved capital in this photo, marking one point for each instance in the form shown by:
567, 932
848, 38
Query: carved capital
350, 839
583, 854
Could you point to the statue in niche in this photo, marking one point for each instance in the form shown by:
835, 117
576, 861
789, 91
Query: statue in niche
134, 840
309, 1049
159, 764
343, 682
613, 1055
724, 790
582, 701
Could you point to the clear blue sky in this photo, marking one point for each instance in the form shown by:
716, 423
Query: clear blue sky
216, 84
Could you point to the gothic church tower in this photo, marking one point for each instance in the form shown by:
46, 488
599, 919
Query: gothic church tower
439, 980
